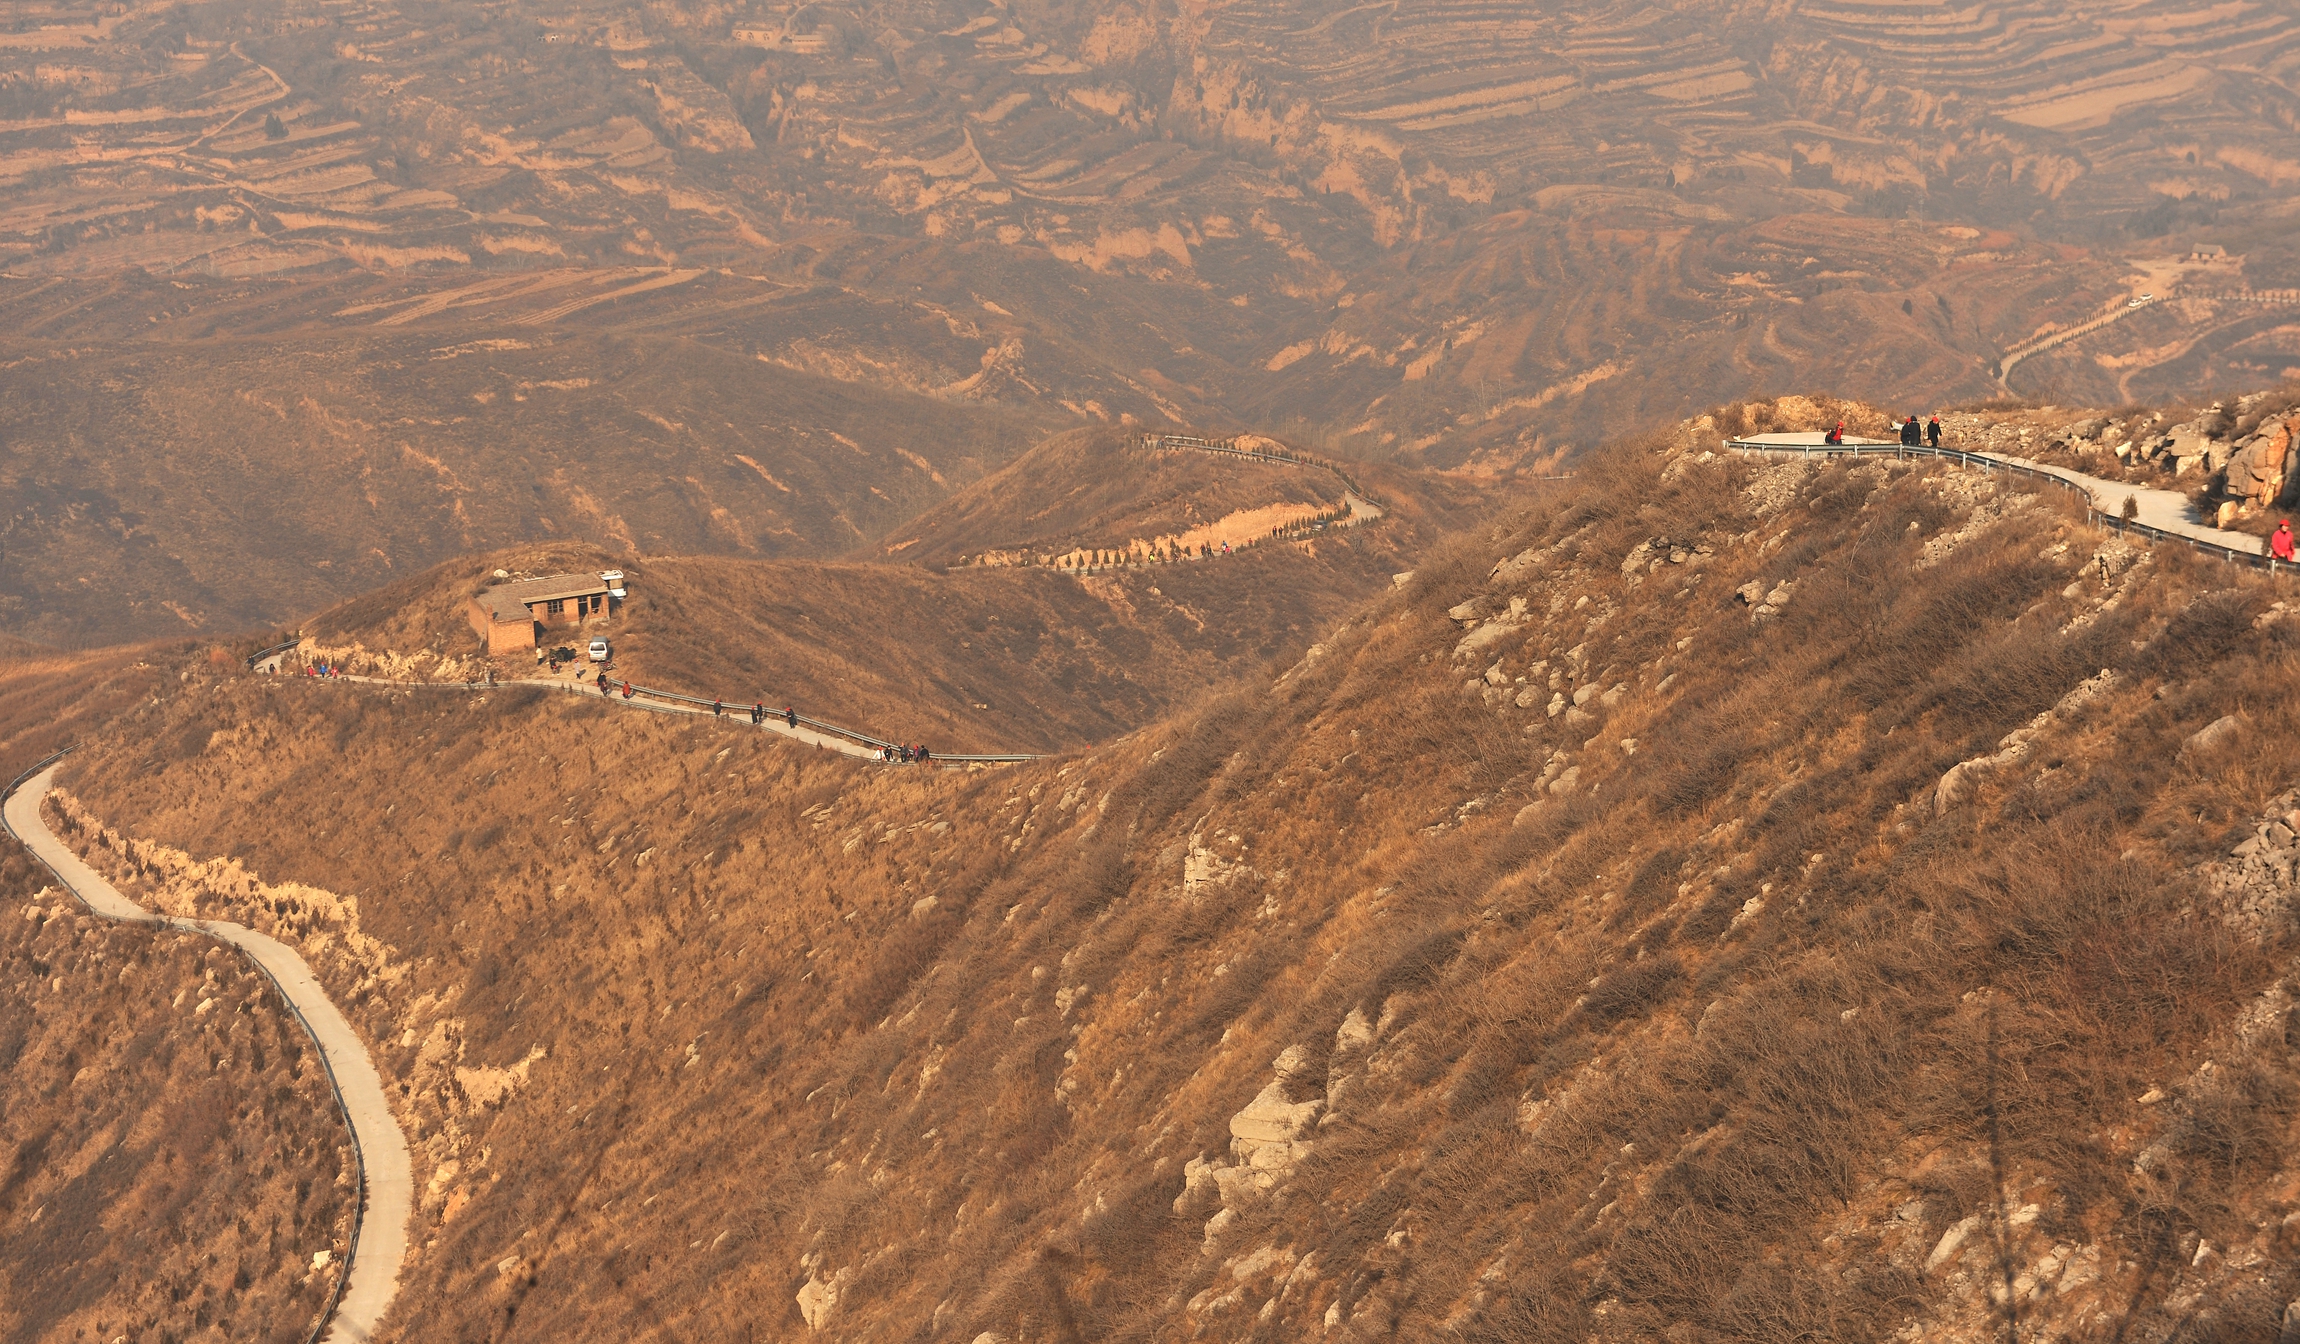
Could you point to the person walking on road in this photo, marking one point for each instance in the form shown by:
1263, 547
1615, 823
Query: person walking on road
626, 690
1835, 436
1911, 435
2280, 543
718, 707
791, 717
1933, 432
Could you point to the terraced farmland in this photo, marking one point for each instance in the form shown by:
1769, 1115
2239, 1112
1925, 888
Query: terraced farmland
1458, 233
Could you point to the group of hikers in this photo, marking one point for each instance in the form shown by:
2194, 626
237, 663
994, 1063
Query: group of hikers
1913, 435
906, 754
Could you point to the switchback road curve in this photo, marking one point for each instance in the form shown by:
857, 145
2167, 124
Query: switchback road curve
387, 1190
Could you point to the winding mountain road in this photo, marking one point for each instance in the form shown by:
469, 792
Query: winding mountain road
379, 1232
2164, 510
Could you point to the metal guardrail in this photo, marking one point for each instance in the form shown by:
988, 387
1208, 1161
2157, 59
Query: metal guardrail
2093, 512
591, 691
819, 725
358, 1154
261, 654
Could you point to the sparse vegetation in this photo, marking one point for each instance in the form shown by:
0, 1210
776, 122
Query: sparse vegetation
170, 1156
1710, 1005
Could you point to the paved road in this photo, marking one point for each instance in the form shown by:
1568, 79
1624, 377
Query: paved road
382, 1228
2167, 509
590, 689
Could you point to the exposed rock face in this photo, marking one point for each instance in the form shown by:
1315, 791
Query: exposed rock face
820, 1296
2260, 468
2258, 880
2220, 732
1272, 1134
1960, 780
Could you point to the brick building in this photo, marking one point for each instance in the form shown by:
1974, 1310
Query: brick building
515, 616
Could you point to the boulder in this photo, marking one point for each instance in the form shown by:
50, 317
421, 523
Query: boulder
820, 1297
1201, 1194
2260, 469
2218, 733
1751, 593
1270, 1118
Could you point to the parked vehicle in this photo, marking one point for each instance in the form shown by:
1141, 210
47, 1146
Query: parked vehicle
599, 650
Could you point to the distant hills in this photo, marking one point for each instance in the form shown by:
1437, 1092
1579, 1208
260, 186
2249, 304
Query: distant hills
292, 301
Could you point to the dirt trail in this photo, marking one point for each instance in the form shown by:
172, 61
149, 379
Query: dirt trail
380, 1235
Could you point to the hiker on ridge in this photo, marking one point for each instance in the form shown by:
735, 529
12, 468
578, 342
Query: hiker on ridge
2280, 544
1933, 432
1835, 436
1911, 435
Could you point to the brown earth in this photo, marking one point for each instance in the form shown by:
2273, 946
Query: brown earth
1099, 490
975, 660
1765, 992
295, 302
51, 700
170, 1155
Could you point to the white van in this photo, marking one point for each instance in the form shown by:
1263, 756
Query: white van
599, 650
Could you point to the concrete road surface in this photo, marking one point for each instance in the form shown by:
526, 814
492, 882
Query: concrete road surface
383, 1147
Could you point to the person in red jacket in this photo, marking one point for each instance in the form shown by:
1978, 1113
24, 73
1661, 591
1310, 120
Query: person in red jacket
2280, 544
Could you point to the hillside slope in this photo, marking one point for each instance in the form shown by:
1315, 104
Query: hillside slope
203, 484
992, 659
1728, 901
170, 1156
1101, 489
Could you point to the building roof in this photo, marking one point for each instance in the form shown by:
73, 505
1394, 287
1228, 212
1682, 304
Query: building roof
510, 601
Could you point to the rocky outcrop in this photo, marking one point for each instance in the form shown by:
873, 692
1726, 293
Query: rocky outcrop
2259, 469
1961, 779
1273, 1133
1764, 601
819, 1297
2257, 881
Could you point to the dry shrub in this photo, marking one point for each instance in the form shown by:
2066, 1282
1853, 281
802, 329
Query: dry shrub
985, 1111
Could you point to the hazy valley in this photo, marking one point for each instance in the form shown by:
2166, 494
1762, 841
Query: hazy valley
479, 273
1494, 834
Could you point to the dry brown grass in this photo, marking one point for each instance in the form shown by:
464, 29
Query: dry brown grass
165, 1173
978, 660
1714, 1045
54, 699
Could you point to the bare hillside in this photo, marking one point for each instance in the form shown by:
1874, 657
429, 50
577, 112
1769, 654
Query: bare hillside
293, 301
990, 659
1101, 490
1726, 901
